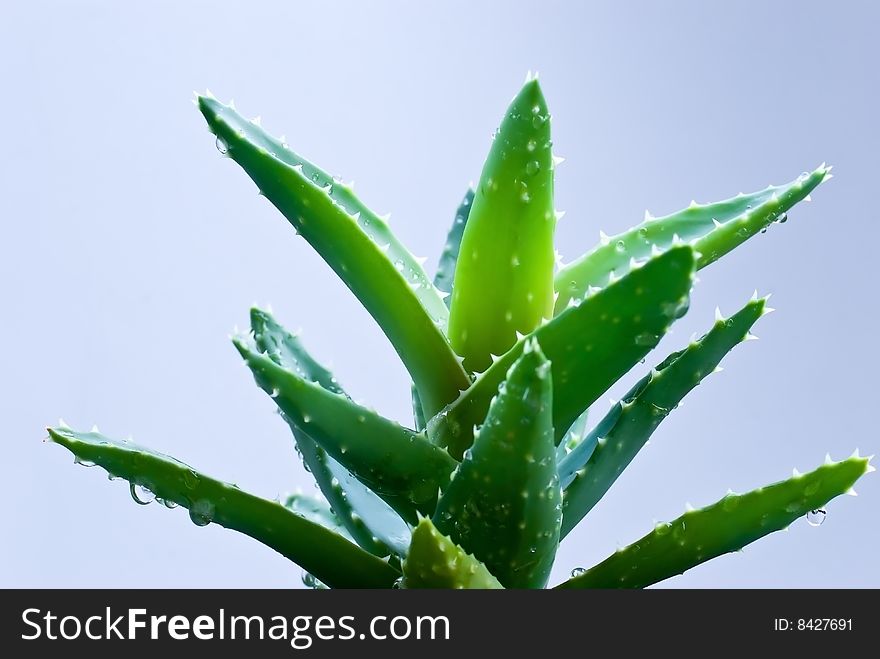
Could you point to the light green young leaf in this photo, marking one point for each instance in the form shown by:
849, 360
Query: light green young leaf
504, 273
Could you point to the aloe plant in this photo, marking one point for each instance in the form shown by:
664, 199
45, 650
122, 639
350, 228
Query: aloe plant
506, 358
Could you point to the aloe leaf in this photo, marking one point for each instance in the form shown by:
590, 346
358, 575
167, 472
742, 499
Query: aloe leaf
399, 465
504, 504
357, 244
504, 274
726, 526
330, 557
590, 345
444, 279
316, 510
371, 521
574, 436
418, 411
592, 468
435, 561
713, 230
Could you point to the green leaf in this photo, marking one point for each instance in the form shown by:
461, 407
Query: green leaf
435, 561
589, 471
445, 277
399, 465
316, 510
330, 557
357, 244
576, 434
590, 345
712, 229
443, 281
418, 412
726, 526
366, 517
504, 504
504, 275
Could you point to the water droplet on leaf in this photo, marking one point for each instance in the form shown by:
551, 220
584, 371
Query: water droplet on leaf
533, 167
141, 495
202, 513
309, 580
221, 145
578, 571
816, 517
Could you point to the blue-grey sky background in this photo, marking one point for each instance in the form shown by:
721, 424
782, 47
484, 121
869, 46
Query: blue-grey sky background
130, 248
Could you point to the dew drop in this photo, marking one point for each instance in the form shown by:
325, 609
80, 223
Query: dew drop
309, 580
83, 463
816, 517
533, 167
620, 246
202, 512
141, 495
578, 571
782, 219
531, 145
398, 584
221, 145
